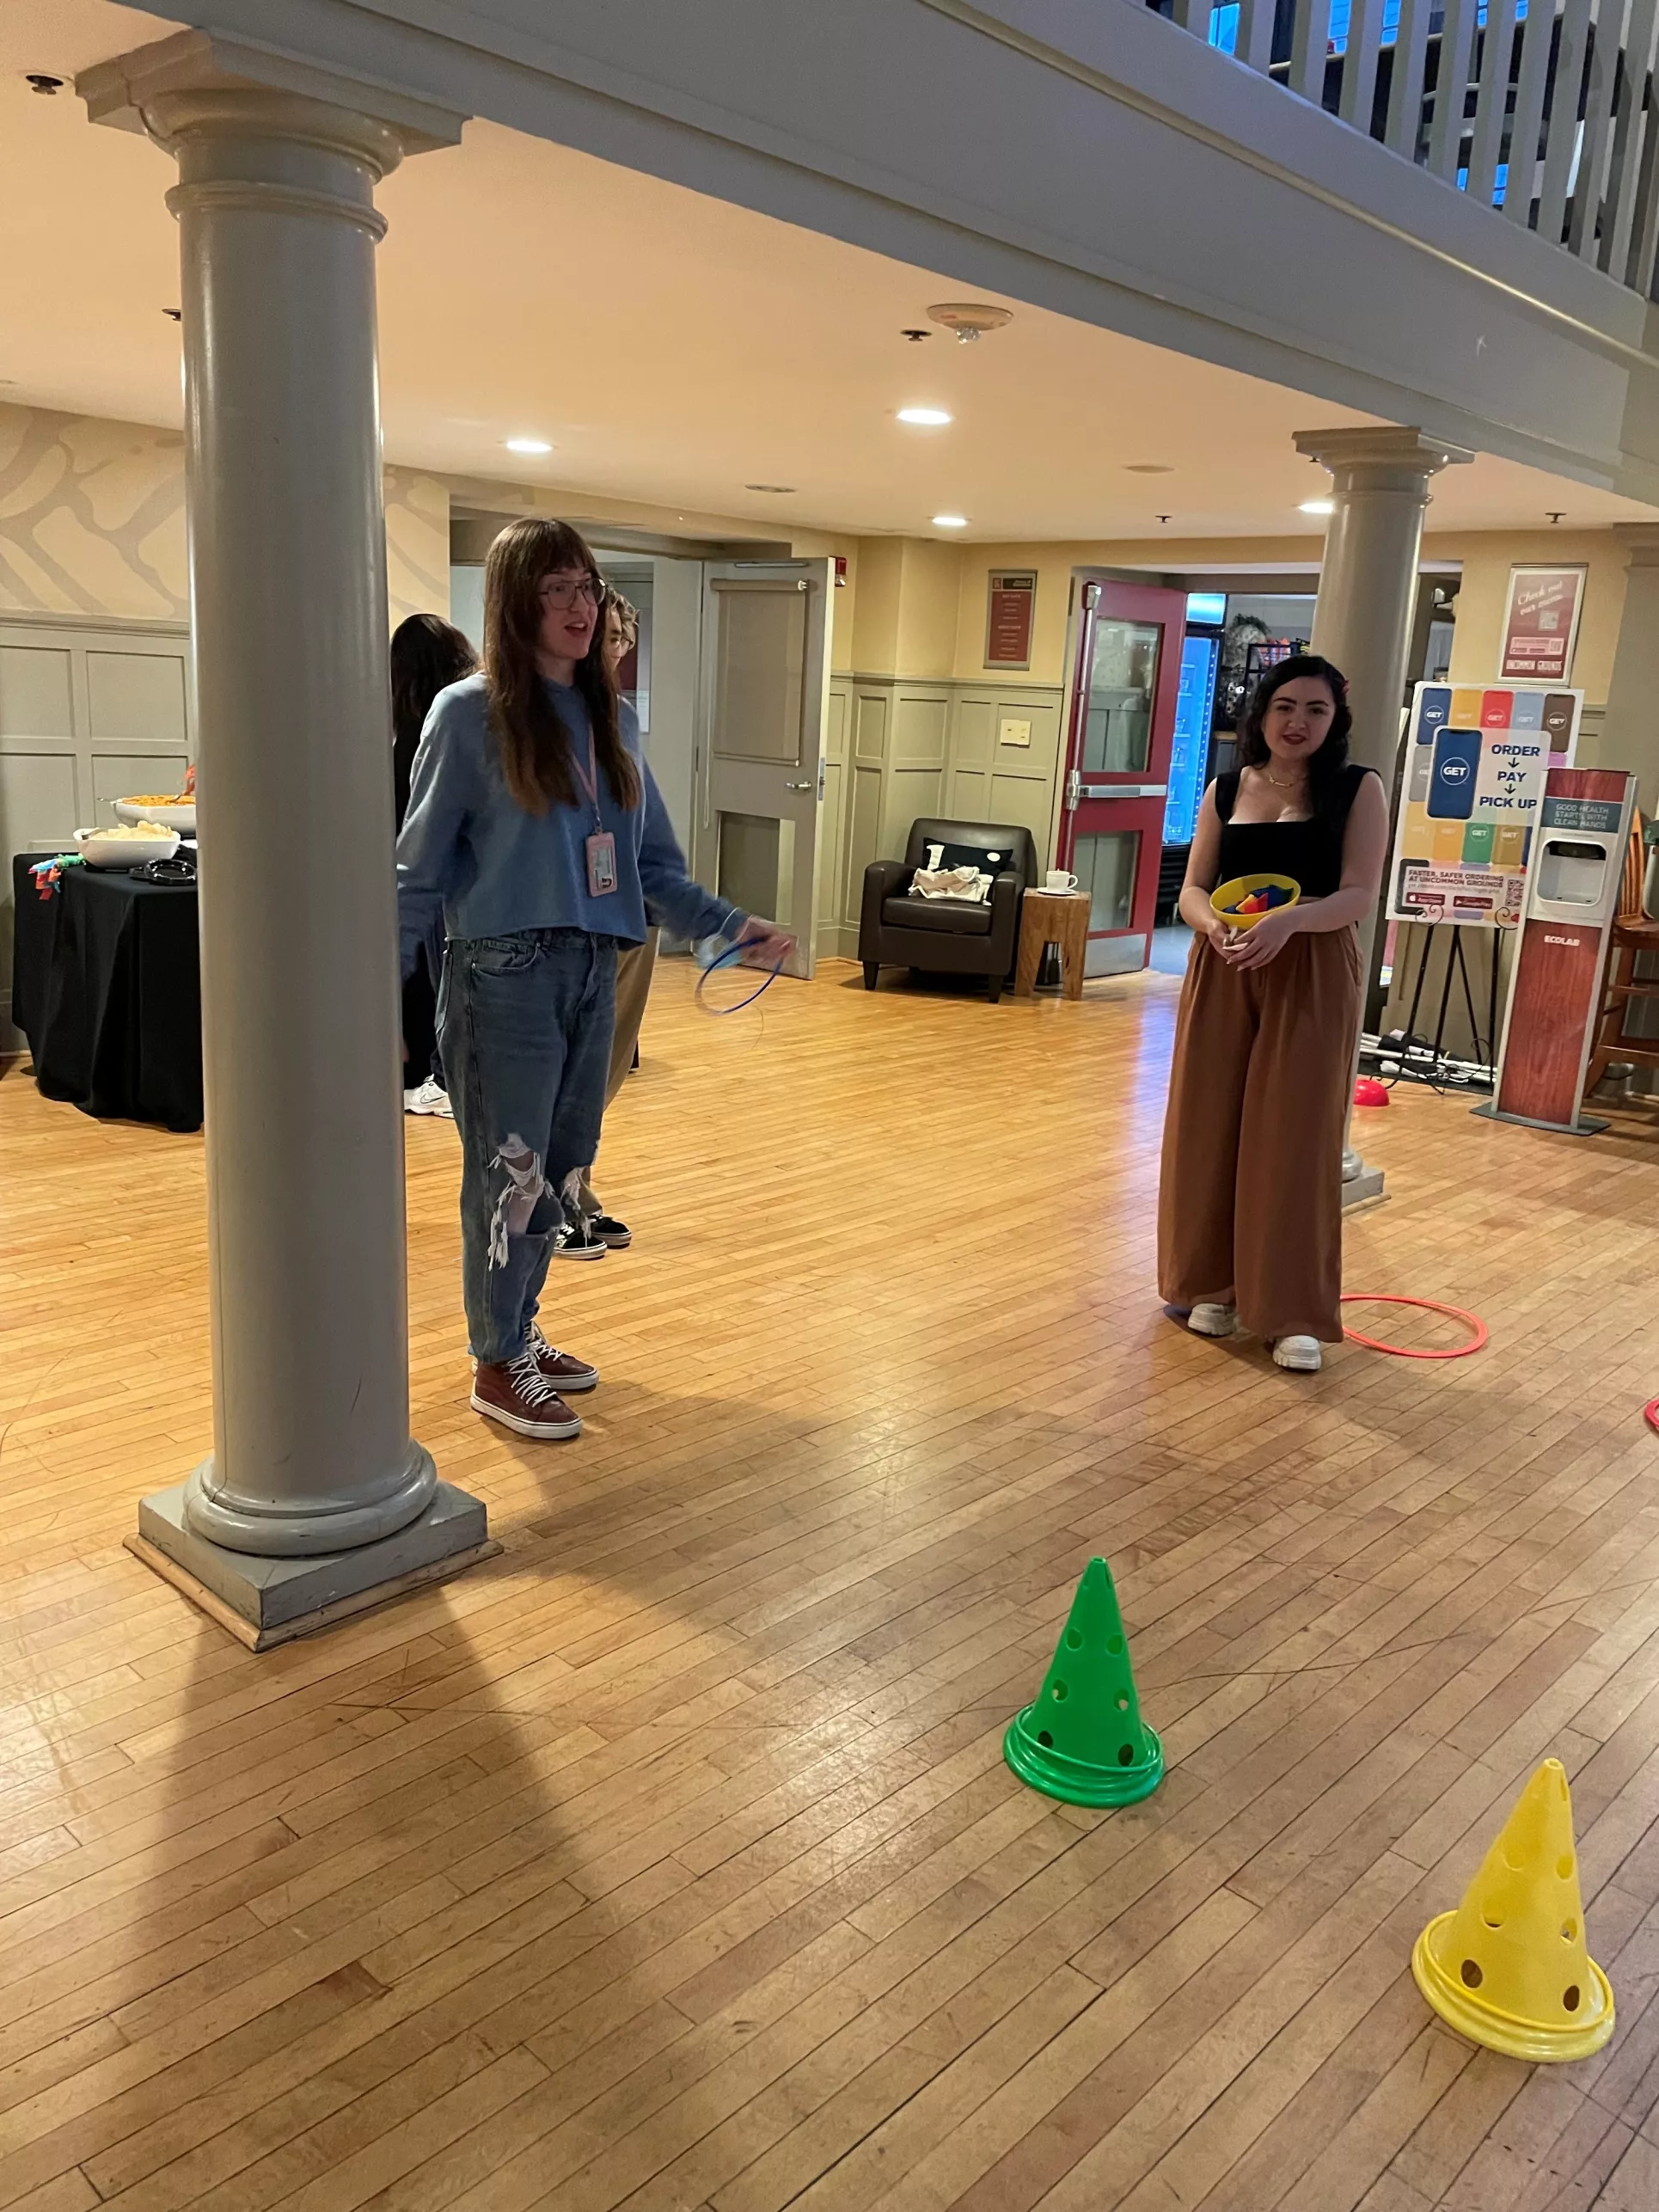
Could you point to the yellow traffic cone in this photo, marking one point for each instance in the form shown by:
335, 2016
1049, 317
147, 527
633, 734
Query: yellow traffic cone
1510, 1968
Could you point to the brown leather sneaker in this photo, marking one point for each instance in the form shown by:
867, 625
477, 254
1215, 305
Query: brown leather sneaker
563, 1368
521, 1398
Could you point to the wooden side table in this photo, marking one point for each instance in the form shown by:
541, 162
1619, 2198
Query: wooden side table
1052, 917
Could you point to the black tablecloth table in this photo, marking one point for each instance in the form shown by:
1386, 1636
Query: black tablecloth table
106, 987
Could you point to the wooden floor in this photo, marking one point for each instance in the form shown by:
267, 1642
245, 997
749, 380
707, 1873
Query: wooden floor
669, 1860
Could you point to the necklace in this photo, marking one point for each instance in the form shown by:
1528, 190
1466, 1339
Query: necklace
1283, 782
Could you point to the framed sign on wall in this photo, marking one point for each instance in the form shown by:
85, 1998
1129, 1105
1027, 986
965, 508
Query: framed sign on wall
1540, 624
1011, 604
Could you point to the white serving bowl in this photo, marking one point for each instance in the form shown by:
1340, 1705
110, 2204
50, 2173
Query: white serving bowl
167, 817
125, 852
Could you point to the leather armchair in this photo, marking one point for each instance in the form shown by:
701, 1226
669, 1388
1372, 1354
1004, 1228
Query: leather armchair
964, 937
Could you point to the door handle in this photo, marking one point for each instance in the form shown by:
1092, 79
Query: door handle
1123, 791
798, 786
1074, 787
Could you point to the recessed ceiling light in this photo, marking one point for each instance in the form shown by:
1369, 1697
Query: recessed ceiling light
528, 445
927, 418
950, 521
1148, 469
1319, 507
770, 488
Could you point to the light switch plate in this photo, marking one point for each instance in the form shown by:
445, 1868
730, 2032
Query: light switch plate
1012, 732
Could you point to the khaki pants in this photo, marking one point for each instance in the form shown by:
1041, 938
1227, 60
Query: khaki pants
634, 972
1250, 1205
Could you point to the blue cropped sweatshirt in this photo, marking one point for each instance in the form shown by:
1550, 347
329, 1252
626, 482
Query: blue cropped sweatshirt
471, 862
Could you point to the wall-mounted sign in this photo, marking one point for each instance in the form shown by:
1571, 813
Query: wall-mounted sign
1008, 620
1476, 758
1540, 625
841, 572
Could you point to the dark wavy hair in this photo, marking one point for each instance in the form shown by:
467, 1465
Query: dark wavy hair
1324, 766
428, 654
536, 746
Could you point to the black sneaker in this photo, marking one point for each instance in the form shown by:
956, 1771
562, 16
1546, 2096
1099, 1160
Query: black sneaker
610, 1231
578, 1241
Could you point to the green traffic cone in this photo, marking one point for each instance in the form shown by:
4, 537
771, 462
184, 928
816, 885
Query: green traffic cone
1084, 1740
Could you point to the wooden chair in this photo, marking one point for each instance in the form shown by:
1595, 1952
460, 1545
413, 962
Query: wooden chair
1632, 933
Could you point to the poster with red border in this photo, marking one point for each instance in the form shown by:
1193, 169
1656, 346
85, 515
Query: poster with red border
1540, 624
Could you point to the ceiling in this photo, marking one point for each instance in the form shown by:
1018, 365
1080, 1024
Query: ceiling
673, 349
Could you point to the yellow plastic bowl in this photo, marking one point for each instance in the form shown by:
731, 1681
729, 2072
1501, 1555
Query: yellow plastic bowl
1229, 894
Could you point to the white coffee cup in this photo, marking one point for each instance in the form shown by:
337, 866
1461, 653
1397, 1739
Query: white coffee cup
1059, 879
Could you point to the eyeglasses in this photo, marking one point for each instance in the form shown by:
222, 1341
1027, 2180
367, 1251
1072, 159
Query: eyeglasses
560, 594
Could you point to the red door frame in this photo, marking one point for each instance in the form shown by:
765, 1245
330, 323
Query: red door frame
1110, 800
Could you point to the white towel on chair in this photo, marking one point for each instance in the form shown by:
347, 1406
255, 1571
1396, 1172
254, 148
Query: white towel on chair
950, 882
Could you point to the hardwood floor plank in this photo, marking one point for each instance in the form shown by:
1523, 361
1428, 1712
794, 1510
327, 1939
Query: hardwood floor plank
669, 1860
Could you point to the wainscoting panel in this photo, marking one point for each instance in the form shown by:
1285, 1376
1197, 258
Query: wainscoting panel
90, 711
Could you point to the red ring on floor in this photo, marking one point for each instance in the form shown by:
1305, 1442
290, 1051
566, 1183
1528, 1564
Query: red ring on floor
1651, 1410
1429, 1306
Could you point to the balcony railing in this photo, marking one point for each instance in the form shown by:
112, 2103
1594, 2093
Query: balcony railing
1543, 109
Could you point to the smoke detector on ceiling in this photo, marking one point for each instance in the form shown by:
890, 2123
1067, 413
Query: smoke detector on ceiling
970, 319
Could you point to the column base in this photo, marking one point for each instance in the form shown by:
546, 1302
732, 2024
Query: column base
263, 1601
1360, 1185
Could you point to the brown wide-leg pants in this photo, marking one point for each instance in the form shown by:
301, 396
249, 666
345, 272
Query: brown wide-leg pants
1250, 1205
635, 969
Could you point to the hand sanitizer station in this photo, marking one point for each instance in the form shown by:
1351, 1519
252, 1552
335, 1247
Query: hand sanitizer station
1574, 876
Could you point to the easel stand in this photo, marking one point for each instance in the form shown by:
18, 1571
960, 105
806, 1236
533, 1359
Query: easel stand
1429, 1062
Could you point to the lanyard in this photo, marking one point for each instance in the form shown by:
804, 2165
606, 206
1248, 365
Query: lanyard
589, 780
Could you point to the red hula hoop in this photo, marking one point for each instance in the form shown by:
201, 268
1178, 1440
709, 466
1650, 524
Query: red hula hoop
1651, 1410
1429, 1306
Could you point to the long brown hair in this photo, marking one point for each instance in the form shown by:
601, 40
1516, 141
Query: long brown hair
536, 746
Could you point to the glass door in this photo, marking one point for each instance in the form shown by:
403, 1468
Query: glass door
1126, 677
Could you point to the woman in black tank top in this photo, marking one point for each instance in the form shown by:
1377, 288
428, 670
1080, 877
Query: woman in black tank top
1250, 1207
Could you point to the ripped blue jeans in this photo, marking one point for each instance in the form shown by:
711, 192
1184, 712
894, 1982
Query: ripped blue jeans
525, 1025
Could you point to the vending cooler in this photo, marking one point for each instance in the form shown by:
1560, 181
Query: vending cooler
1574, 873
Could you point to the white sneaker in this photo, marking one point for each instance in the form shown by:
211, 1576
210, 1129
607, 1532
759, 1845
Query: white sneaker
1302, 1354
1211, 1321
430, 1097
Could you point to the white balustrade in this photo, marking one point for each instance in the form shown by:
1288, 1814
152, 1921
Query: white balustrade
1546, 109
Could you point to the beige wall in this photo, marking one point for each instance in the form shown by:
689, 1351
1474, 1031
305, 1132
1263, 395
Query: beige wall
1488, 556
92, 523
91, 517
1054, 562
905, 615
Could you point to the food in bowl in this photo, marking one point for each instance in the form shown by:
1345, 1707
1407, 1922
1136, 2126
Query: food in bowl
173, 811
128, 847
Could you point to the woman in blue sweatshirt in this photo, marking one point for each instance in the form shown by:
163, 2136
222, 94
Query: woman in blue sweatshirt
533, 838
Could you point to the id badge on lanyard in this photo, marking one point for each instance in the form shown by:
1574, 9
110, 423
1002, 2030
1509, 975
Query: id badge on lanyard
602, 863
602, 845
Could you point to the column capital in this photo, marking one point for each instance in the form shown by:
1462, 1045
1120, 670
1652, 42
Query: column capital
1641, 541
1383, 447
198, 82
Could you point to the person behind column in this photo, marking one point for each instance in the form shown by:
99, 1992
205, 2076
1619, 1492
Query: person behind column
594, 1231
1250, 1205
537, 831
427, 655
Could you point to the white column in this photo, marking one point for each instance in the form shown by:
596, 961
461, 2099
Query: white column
315, 1492
1367, 594
1628, 735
